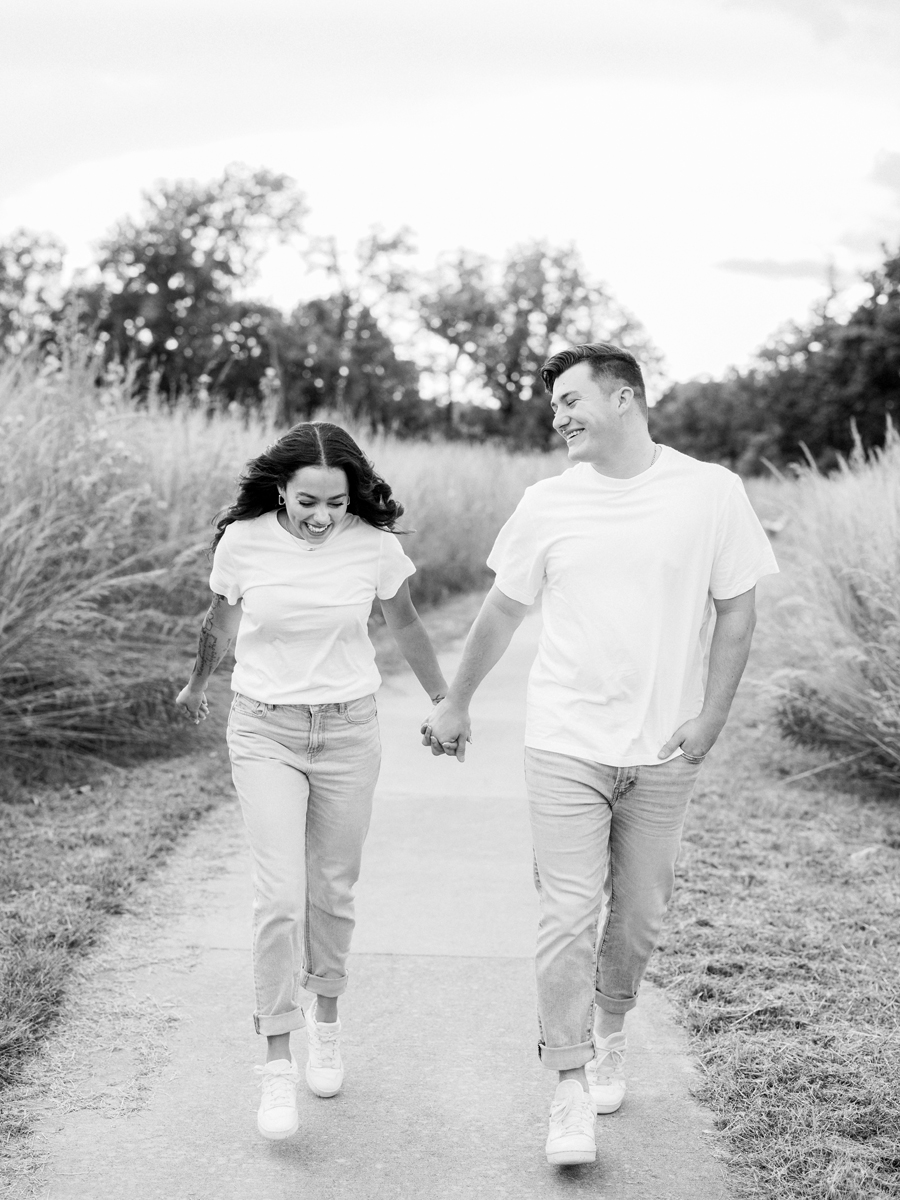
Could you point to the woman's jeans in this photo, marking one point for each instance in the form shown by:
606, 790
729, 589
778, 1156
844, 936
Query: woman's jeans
305, 775
600, 834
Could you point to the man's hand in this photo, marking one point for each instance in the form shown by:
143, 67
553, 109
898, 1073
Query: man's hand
735, 619
193, 703
447, 730
695, 737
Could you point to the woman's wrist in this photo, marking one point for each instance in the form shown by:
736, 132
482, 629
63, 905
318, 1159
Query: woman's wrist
438, 697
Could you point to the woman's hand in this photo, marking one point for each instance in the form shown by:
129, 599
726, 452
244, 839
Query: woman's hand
447, 730
193, 703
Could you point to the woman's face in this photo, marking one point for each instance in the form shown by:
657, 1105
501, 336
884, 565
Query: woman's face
315, 500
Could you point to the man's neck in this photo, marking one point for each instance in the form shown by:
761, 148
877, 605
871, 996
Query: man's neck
628, 461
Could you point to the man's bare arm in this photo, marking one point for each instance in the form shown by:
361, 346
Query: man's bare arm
448, 728
728, 653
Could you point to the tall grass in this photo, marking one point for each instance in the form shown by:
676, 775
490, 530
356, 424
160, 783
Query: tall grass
105, 511
842, 625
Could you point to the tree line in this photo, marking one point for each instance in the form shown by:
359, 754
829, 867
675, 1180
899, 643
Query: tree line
453, 350
817, 390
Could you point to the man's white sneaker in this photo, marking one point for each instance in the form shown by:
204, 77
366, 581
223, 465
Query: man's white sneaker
324, 1071
571, 1138
277, 1117
606, 1073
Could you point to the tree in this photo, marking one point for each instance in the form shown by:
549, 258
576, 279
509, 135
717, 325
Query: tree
337, 352
818, 386
824, 380
166, 296
727, 421
332, 354
503, 323
30, 268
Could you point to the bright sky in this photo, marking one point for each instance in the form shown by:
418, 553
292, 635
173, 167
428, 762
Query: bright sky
709, 158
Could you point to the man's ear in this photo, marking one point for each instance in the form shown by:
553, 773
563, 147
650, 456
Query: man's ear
626, 398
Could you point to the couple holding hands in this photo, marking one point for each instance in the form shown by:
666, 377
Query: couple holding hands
633, 550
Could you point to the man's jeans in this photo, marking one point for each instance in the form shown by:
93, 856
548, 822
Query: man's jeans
305, 776
600, 834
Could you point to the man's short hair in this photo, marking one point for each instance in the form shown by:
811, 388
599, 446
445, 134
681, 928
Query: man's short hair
606, 362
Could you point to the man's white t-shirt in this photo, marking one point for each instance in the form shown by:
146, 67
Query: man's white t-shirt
303, 635
627, 570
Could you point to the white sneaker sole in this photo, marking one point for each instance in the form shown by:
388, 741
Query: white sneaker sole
570, 1158
281, 1134
603, 1108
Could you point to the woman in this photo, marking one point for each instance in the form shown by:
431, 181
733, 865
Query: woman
299, 558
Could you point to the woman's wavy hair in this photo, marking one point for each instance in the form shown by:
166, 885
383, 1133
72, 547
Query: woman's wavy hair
311, 444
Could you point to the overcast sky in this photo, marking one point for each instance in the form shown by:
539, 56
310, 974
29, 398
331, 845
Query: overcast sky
710, 158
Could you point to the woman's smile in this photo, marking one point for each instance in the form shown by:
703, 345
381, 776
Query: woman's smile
315, 530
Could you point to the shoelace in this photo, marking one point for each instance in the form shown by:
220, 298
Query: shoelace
324, 1047
609, 1065
572, 1117
277, 1090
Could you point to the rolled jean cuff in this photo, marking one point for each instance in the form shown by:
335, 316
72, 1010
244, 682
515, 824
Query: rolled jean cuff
608, 1004
322, 987
280, 1023
565, 1058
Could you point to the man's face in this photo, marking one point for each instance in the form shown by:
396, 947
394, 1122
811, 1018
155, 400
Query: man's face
586, 413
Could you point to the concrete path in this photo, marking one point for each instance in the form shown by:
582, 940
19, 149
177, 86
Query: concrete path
444, 1095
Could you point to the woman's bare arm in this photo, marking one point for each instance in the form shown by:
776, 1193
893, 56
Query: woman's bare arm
413, 641
218, 631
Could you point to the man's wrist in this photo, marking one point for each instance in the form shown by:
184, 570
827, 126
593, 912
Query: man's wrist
714, 720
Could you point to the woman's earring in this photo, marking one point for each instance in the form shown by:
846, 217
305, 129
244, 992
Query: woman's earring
280, 498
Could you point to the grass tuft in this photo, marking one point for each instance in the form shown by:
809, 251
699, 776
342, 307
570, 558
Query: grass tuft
842, 624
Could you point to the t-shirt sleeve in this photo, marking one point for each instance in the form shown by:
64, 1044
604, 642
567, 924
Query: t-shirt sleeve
223, 578
393, 567
516, 558
743, 554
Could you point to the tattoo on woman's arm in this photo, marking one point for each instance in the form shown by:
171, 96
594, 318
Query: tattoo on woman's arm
212, 647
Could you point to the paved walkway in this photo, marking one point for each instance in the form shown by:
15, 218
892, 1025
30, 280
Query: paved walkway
444, 1095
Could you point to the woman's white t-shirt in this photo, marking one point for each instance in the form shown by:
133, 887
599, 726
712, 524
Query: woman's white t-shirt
303, 635
627, 570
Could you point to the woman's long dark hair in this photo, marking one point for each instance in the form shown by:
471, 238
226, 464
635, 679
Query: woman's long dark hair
311, 444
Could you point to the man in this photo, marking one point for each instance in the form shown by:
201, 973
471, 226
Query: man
631, 550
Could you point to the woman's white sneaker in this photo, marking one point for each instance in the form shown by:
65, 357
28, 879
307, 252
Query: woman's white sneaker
324, 1071
277, 1116
606, 1073
571, 1138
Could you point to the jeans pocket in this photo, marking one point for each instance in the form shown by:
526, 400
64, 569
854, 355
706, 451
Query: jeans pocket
245, 707
361, 712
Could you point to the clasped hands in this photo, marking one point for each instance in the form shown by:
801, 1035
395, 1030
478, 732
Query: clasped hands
447, 730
